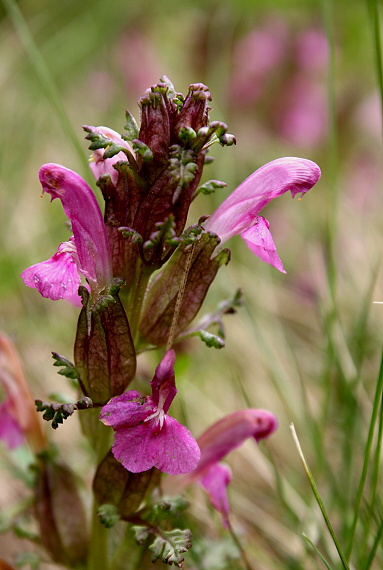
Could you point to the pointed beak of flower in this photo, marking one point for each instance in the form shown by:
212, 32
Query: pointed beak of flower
89, 252
230, 432
239, 213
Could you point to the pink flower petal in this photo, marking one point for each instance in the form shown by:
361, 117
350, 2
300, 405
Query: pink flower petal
259, 239
163, 383
10, 430
237, 212
127, 410
230, 432
100, 166
172, 449
81, 207
56, 278
215, 481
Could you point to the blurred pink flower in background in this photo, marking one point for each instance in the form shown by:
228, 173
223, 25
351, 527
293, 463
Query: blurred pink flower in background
302, 117
218, 441
255, 57
138, 62
281, 77
18, 416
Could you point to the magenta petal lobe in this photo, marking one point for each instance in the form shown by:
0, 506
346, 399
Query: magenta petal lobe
259, 239
236, 214
171, 449
56, 278
215, 481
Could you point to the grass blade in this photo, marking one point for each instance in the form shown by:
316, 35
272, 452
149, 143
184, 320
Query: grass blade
319, 500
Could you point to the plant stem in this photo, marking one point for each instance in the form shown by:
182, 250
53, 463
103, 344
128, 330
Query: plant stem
240, 547
98, 548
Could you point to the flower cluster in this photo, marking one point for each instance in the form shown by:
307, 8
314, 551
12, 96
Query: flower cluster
142, 278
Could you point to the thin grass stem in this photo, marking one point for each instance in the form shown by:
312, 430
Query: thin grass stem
367, 454
48, 86
376, 37
317, 551
319, 500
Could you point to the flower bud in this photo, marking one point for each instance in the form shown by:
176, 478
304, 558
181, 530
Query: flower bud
104, 351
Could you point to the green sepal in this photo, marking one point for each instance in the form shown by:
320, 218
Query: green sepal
141, 148
161, 298
131, 127
68, 369
210, 187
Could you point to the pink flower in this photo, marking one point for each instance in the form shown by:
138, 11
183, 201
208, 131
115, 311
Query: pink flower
18, 416
145, 435
100, 166
239, 213
87, 253
219, 440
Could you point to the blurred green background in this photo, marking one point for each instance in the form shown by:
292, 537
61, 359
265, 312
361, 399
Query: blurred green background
289, 79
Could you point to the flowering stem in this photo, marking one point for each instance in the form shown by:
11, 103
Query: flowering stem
98, 548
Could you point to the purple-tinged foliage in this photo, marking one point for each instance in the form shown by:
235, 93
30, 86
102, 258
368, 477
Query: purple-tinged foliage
162, 294
239, 213
104, 351
145, 435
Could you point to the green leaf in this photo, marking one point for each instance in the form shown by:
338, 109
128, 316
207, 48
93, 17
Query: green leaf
211, 340
141, 148
210, 186
131, 127
169, 506
141, 534
170, 547
68, 369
